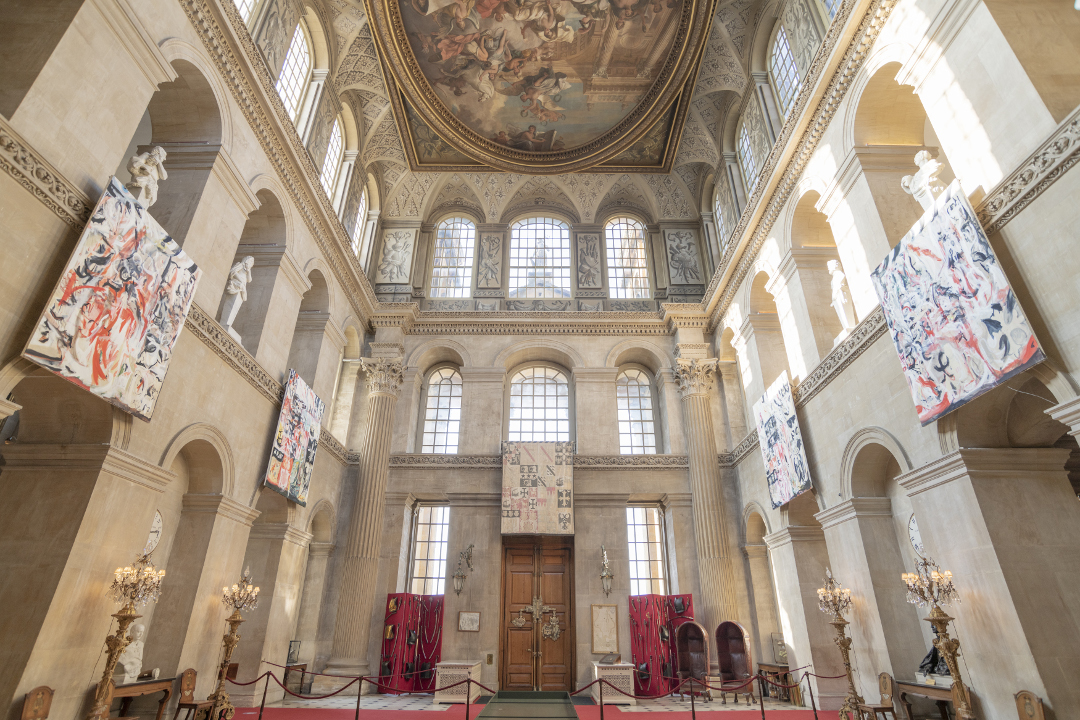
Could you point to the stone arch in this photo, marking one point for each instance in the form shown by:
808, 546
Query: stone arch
354, 337
755, 535
322, 521
641, 352
539, 349
265, 183
895, 52
430, 353
321, 50
176, 50
864, 441
807, 185
317, 265
206, 437
627, 192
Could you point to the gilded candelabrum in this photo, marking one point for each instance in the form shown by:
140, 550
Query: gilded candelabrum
835, 601
241, 596
132, 586
928, 585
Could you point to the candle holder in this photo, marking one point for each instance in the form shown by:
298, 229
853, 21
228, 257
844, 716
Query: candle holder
835, 601
929, 585
460, 574
241, 596
132, 586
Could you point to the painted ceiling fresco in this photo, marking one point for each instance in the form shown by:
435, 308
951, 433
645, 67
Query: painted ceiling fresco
555, 84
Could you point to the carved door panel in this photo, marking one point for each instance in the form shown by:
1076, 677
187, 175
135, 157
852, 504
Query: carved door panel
537, 639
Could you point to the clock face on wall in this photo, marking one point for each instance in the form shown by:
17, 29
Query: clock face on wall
155, 534
915, 536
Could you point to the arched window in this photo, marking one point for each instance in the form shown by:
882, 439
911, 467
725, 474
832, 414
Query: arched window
785, 75
451, 270
539, 406
442, 416
540, 258
718, 213
332, 161
246, 7
746, 159
359, 225
628, 274
637, 433
294, 74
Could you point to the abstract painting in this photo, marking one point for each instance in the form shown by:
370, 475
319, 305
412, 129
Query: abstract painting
957, 325
112, 321
538, 488
781, 443
296, 440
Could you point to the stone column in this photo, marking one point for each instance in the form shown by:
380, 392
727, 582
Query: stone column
361, 551
716, 573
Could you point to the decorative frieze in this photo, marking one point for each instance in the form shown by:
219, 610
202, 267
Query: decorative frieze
331, 445
434, 462
29, 169
207, 330
862, 337
630, 462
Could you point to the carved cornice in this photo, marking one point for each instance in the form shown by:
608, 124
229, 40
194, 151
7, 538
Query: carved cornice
528, 322
743, 448
384, 375
694, 376
1042, 168
220, 505
863, 336
206, 329
630, 462
30, 169
445, 461
331, 444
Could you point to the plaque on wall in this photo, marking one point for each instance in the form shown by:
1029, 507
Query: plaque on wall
605, 629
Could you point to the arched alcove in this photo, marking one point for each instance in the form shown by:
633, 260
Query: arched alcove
311, 322
265, 240
765, 347
813, 251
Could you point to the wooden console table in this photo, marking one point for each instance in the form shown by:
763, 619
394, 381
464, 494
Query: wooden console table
942, 695
779, 674
129, 692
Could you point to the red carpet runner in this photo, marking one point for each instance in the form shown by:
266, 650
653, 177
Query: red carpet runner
457, 712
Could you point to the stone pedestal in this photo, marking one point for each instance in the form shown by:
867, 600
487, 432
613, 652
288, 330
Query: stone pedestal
448, 673
621, 675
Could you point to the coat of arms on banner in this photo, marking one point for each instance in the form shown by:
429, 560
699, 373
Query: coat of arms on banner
955, 321
538, 488
296, 441
781, 443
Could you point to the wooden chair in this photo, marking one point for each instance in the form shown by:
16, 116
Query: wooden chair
37, 703
692, 657
187, 697
733, 654
1029, 706
888, 692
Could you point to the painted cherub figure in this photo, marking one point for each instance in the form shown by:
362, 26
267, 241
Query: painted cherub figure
147, 169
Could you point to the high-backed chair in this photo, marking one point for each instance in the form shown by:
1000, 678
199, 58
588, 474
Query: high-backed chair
37, 703
692, 656
887, 687
1029, 706
733, 654
187, 699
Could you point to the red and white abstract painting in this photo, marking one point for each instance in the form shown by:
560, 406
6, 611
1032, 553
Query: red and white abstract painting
113, 319
538, 488
296, 440
957, 325
781, 443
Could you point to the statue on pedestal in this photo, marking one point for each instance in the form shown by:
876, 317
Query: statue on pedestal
131, 659
147, 169
924, 185
235, 294
841, 300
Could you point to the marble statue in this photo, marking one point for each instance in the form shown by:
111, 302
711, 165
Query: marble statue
131, 659
235, 294
841, 299
924, 185
147, 170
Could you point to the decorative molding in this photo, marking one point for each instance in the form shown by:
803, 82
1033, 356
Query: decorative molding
420, 461
30, 169
206, 329
333, 446
853, 508
630, 462
694, 376
221, 505
862, 337
743, 449
384, 375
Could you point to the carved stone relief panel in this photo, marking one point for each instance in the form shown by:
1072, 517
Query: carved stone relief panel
450, 305
595, 306
395, 259
802, 32
589, 261
538, 305
684, 260
489, 266
631, 305
276, 32
755, 128
491, 306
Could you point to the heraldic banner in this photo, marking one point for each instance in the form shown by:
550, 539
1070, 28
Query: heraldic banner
538, 488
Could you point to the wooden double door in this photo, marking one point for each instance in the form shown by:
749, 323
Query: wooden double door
537, 640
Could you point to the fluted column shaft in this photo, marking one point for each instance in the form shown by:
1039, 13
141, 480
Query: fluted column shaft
361, 552
715, 568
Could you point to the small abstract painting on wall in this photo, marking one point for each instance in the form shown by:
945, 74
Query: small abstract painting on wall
296, 440
957, 325
112, 321
538, 488
781, 443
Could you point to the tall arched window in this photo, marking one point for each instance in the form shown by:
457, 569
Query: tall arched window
628, 273
540, 258
451, 270
785, 75
718, 213
746, 159
295, 72
442, 416
332, 161
246, 7
539, 406
637, 433
361, 221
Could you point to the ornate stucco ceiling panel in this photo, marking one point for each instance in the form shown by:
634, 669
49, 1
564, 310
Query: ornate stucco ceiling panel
697, 145
407, 199
539, 193
588, 188
455, 192
540, 86
672, 198
625, 193
735, 17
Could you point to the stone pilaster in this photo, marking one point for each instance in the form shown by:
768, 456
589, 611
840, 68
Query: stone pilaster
361, 550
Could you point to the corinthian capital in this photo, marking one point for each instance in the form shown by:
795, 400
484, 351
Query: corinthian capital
383, 375
694, 376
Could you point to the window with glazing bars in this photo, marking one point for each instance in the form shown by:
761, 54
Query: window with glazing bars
831, 6
637, 433
539, 406
746, 160
540, 258
332, 161
628, 273
245, 7
785, 74
442, 416
294, 74
451, 271
361, 221
645, 535
431, 532
718, 213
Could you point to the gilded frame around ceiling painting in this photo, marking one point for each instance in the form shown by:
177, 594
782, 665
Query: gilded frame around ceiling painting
655, 120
